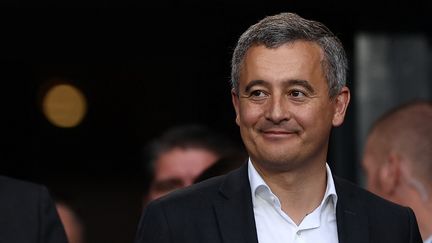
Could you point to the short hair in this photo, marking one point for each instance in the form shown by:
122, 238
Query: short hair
407, 130
274, 31
188, 136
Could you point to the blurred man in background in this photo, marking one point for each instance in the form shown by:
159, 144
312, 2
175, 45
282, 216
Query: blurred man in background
71, 222
181, 154
398, 160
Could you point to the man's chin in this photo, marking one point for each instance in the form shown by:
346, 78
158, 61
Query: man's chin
281, 163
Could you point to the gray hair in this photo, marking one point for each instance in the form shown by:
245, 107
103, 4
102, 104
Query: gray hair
274, 31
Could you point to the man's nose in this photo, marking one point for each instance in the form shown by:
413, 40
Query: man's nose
278, 109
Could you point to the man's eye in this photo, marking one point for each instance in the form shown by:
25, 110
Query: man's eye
257, 93
297, 94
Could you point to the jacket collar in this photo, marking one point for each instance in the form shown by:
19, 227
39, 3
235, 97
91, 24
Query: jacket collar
235, 214
352, 221
234, 208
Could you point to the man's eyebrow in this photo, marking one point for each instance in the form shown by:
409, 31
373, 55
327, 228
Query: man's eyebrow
300, 82
253, 83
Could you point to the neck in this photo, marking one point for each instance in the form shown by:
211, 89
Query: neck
423, 212
410, 197
300, 192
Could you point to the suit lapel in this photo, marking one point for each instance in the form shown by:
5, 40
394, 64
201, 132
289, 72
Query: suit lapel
352, 221
234, 209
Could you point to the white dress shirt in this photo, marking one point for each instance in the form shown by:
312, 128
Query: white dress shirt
428, 240
275, 226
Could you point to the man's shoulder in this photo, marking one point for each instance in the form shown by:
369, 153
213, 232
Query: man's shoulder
12, 183
27, 207
202, 190
366, 198
21, 201
206, 192
16, 189
385, 220
183, 213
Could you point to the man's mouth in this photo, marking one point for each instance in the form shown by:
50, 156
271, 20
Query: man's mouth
278, 133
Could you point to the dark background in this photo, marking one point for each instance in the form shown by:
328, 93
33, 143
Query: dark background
143, 68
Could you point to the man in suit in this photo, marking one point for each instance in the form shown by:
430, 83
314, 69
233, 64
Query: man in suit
288, 91
398, 160
28, 214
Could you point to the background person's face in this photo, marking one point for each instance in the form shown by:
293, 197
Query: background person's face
71, 223
283, 108
178, 168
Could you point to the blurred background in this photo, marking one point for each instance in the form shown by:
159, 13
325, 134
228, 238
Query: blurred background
86, 85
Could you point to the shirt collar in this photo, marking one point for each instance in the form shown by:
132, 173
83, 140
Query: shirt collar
257, 184
428, 240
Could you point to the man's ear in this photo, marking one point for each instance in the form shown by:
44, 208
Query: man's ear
341, 104
236, 104
389, 174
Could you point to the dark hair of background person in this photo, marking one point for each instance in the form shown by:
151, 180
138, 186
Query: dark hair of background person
222, 166
186, 136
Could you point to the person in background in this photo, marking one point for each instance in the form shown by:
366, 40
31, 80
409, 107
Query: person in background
398, 160
221, 167
28, 213
181, 154
288, 91
71, 222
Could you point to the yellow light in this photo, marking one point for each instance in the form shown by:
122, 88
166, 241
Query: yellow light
64, 105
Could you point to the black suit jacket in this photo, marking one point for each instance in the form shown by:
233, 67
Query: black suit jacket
220, 210
27, 214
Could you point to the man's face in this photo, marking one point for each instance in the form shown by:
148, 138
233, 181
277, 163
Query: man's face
283, 107
178, 168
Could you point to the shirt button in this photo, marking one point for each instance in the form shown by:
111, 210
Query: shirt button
298, 233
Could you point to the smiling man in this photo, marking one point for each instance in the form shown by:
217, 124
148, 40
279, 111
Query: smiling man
288, 91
